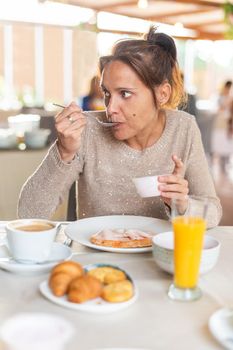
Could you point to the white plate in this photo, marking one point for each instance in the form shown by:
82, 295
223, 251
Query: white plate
81, 230
221, 326
97, 306
59, 253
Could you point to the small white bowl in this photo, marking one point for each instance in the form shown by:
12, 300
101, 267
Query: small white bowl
36, 138
24, 122
162, 245
8, 138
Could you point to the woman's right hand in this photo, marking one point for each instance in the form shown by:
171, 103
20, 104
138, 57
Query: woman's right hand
69, 123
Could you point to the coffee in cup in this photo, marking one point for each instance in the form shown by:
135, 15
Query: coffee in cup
30, 240
35, 227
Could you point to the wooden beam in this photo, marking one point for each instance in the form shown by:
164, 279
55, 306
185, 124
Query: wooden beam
101, 7
201, 25
202, 35
134, 2
212, 4
117, 4
77, 3
176, 14
138, 34
200, 2
121, 32
163, 20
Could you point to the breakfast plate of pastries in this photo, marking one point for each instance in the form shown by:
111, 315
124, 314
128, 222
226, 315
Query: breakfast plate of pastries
117, 233
96, 288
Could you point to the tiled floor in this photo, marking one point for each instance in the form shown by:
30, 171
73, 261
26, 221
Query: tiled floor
224, 187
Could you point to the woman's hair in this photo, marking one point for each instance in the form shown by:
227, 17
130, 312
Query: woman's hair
154, 60
94, 87
227, 85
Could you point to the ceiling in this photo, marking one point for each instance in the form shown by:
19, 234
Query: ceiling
204, 16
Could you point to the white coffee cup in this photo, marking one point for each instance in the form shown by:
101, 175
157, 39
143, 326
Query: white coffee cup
147, 186
36, 331
30, 240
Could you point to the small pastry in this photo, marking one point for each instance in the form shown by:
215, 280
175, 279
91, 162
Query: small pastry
71, 267
84, 288
118, 292
61, 276
59, 283
107, 274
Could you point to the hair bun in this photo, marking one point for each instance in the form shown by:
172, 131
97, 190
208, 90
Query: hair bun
162, 40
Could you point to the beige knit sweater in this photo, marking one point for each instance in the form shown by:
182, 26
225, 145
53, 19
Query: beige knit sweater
104, 168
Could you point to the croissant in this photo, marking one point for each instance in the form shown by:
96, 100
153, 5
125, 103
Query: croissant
70, 267
84, 288
61, 276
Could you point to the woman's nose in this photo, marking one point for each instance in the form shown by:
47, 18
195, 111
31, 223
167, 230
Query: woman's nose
112, 105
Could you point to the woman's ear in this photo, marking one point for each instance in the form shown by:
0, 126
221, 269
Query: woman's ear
163, 93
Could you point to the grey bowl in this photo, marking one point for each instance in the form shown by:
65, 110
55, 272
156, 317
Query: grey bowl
36, 138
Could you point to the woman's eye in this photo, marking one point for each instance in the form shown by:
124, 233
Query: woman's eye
125, 94
106, 94
106, 97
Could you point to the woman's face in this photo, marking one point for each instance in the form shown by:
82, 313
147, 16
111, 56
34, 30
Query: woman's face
128, 101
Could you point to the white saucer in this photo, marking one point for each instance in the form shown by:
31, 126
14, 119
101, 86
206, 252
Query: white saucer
59, 253
221, 326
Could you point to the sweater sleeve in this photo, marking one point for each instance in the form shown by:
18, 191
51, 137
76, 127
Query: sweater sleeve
199, 178
47, 187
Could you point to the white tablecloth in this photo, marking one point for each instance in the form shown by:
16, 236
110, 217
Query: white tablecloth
153, 322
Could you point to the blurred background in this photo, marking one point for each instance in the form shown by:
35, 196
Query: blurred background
49, 53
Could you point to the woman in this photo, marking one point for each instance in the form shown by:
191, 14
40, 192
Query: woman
222, 141
94, 100
140, 82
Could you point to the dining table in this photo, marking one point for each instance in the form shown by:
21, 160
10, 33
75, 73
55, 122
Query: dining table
152, 322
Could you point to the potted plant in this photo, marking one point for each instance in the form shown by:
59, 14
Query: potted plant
228, 16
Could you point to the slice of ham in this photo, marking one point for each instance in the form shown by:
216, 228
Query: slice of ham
121, 234
122, 238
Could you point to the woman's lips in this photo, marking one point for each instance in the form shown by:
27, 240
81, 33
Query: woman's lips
117, 125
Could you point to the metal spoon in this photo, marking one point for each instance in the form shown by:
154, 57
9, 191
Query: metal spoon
91, 114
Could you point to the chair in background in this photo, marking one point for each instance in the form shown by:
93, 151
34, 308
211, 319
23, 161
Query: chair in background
205, 121
48, 122
71, 208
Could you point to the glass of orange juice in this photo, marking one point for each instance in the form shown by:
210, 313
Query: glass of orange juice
188, 229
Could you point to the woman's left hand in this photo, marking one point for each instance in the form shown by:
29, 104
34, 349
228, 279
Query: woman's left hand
174, 185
